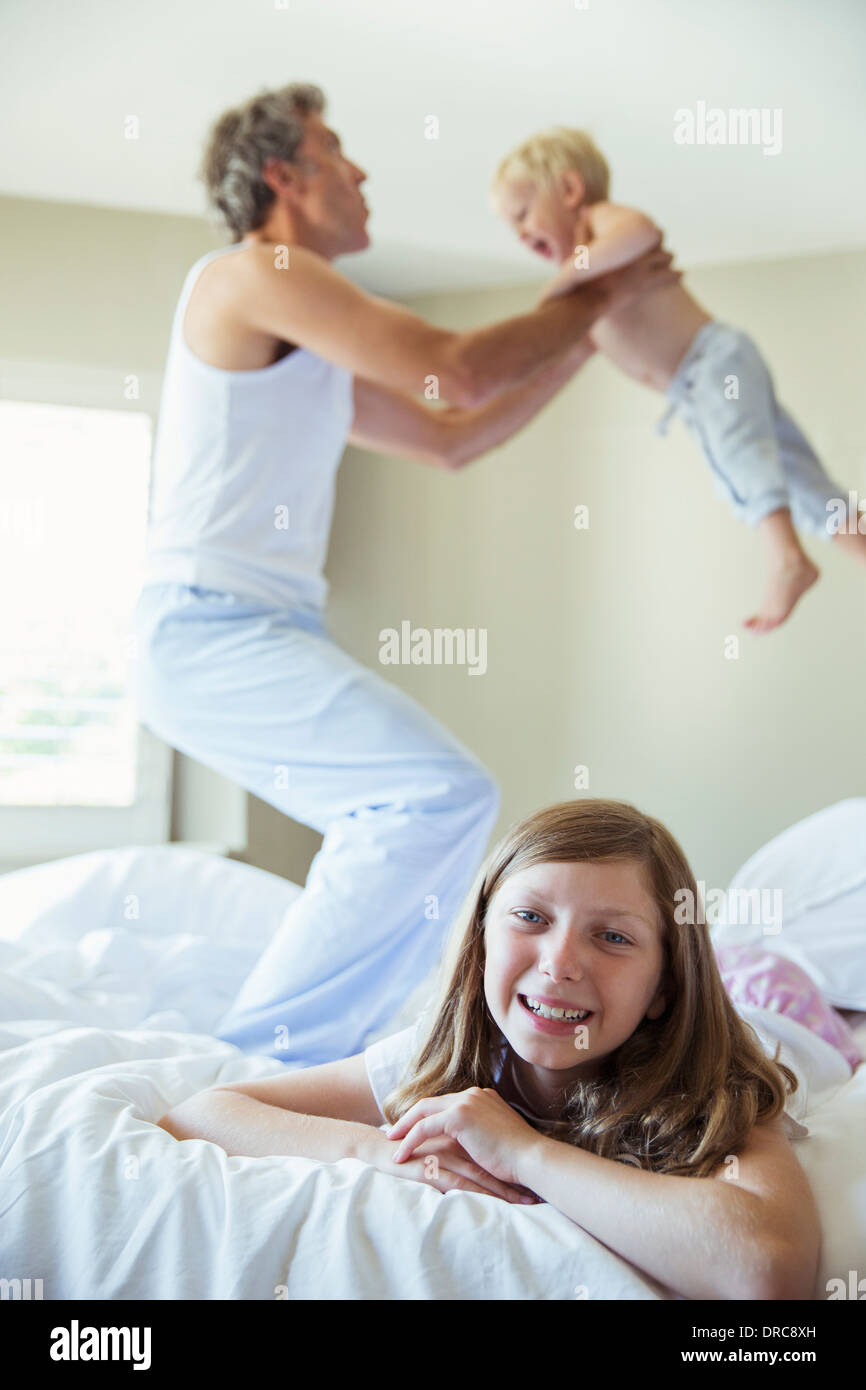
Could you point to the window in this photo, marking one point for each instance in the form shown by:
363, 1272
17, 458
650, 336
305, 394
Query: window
73, 510
77, 771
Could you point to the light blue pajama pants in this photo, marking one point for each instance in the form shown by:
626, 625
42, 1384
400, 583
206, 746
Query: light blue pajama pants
760, 458
263, 695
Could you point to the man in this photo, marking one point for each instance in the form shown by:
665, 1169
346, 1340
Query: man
275, 361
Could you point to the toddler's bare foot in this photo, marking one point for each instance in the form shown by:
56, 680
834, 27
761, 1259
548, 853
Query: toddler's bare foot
787, 584
853, 542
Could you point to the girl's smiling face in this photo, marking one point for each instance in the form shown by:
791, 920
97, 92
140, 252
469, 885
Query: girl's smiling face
578, 936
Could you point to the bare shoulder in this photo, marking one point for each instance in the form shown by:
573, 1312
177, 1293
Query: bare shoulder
266, 263
767, 1165
604, 215
244, 305
765, 1158
261, 270
787, 1215
339, 1090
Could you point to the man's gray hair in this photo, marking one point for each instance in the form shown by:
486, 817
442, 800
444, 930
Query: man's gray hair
243, 140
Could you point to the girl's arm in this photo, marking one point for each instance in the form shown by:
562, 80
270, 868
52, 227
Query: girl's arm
749, 1231
326, 1112
615, 237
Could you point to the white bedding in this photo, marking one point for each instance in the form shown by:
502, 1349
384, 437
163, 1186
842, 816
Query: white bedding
113, 968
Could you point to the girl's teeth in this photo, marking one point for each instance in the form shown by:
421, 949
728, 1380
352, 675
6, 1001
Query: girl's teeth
566, 1015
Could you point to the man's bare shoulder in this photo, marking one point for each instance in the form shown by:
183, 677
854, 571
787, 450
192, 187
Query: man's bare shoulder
260, 267
259, 260
263, 284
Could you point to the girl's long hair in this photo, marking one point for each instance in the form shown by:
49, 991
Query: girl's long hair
683, 1092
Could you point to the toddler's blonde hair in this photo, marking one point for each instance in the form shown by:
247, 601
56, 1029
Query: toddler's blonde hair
549, 153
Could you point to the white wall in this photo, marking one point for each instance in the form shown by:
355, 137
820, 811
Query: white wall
606, 646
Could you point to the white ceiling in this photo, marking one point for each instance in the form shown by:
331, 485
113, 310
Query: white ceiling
491, 71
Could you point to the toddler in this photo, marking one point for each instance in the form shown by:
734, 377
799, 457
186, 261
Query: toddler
553, 190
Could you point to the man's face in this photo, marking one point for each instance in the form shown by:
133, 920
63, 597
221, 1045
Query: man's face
328, 193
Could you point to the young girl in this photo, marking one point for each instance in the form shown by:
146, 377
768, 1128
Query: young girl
583, 1052
553, 190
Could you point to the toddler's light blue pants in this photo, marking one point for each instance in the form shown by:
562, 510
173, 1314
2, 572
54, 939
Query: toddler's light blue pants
760, 458
263, 695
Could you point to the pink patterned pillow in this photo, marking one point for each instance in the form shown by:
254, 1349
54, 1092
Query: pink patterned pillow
754, 976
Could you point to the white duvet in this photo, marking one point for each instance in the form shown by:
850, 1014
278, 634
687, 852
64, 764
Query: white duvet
113, 968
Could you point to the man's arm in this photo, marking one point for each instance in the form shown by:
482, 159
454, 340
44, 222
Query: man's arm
311, 304
618, 236
393, 422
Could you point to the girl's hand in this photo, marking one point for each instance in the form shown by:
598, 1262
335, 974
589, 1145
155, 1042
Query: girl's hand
480, 1121
441, 1162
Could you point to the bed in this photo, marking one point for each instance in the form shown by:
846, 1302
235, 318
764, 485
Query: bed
114, 968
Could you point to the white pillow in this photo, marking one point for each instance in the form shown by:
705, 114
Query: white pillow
818, 866
154, 937
162, 889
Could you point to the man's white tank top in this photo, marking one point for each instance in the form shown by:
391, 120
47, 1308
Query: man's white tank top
245, 466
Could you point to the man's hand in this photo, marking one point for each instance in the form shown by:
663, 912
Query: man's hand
651, 271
